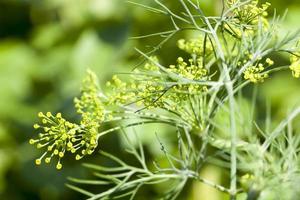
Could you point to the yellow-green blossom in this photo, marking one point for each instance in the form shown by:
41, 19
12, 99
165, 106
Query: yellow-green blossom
122, 92
247, 18
89, 104
152, 87
193, 71
254, 75
195, 46
251, 12
59, 136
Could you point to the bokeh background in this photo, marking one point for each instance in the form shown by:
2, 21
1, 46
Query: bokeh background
46, 47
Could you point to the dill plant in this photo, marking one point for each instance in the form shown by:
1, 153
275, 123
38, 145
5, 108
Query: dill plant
192, 94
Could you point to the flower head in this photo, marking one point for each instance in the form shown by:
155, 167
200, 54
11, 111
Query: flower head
195, 46
255, 73
89, 105
247, 17
59, 136
250, 13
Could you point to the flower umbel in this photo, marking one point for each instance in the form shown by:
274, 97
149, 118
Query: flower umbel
60, 136
250, 13
247, 18
195, 46
255, 73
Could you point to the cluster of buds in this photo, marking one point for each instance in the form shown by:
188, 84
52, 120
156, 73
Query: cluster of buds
255, 73
250, 13
121, 92
59, 136
195, 46
247, 18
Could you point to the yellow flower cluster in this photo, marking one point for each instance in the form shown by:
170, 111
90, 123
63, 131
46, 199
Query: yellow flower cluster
250, 12
92, 111
247, 18
122, 92
146, 87
89, 105
295, 65
195, 46
254, 73
151, 93
152, 88
193, 71
149, 88
60, 136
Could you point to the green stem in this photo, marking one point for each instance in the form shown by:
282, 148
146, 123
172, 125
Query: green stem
233, 157
229, 88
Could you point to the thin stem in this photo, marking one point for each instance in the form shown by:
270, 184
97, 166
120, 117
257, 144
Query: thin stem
229, 88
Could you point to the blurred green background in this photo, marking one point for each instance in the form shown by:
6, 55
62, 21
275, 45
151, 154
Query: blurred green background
46, 47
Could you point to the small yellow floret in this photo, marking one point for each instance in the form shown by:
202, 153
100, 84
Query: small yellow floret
269, 61
55, 152
31, 141
69, 144
78, 157
48, 114
47, 160
61, 154
40, 114
58, 166
38, 161
36, 126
